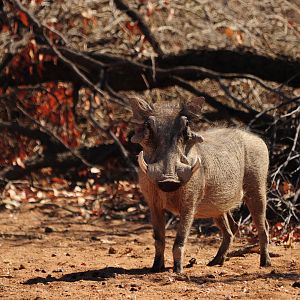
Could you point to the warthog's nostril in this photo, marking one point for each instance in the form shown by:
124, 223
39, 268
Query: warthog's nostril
169, 186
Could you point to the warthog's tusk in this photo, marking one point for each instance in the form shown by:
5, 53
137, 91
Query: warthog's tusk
197, 165
143, 165
137, 121
184, 159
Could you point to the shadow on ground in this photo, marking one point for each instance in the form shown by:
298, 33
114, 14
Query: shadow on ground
93, 275
112, 272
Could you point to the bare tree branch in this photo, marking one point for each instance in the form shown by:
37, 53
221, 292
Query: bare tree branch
65, 160
241, 115
74, 152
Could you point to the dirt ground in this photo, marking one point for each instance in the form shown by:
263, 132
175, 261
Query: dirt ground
44, 257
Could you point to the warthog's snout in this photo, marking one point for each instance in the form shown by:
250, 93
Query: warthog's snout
169, 185
172, 180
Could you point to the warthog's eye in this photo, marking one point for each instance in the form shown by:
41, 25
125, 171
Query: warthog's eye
147, 126
148, 131
184, 128
142, 132
186, 133
150, 125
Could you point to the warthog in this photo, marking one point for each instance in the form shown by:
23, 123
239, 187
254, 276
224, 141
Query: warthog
198, 175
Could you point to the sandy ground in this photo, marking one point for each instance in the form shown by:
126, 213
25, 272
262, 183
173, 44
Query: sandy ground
44, 257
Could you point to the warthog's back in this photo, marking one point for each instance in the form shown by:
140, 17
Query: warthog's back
231, 160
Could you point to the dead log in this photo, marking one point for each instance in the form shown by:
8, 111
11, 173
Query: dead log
124, 74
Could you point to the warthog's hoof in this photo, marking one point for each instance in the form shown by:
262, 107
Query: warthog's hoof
158, 265
217, 261
177, 267
158, 269
265, 262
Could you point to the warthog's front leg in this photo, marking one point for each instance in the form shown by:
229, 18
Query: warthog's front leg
158, 223
184, 227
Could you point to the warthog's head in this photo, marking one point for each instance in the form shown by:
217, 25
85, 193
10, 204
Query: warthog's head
165, 133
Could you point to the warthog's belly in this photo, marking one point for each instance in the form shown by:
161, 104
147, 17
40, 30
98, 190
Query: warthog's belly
215, 206
208, 207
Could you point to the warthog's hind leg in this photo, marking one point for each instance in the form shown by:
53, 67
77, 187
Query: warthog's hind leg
223, 223
257, 207
233, 225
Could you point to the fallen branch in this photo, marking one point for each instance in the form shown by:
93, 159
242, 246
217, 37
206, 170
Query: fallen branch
124, 74
46, 140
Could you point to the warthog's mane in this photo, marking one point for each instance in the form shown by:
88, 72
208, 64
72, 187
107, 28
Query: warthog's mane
167, 108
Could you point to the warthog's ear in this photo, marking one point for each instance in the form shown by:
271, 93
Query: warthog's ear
140, 108
192, 108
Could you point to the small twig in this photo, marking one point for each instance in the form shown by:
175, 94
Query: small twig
235, 99
170, 221
122, 149
142, 25
115, 97
296, 100
288, 159
290, 113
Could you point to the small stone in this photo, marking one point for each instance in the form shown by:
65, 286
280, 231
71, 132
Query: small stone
58, 271
112, 250
223, 273
48, 229
22, 267
296, 284
191, 263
